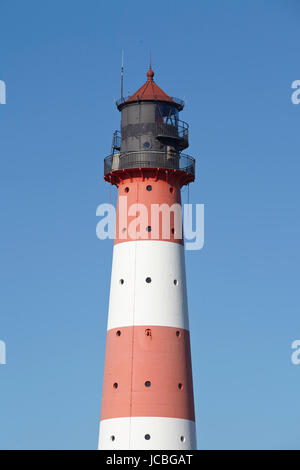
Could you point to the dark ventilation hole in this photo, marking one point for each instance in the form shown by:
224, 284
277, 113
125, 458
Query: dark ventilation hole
173, 230
182, 438
177, 334
148, 332
112, 438
148, 383
116, 385
180, 386
148, 280
149, 228
175, 282
118, 333
147, 437
121, 281
149, 188
126, 190
171, 190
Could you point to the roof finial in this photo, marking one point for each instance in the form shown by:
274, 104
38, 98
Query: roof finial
150, 73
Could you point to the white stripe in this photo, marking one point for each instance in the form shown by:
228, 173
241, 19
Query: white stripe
136, 302
129, 433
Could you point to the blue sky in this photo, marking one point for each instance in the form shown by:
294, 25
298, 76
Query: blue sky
234, 63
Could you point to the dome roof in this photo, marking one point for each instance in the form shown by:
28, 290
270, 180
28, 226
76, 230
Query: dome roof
150, 91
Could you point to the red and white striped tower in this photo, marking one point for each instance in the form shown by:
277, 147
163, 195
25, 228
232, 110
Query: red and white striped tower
147, 398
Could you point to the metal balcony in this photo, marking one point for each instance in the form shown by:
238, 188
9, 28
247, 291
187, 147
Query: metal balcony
173, 133
177, 133
149, 159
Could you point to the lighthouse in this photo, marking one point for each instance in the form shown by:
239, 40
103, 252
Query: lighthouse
147, 400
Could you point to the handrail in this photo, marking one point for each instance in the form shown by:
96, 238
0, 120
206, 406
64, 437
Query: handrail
177, 101
173, 129
149, 159
179, 129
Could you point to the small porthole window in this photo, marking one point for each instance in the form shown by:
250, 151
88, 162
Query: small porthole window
147, 383
148, 280
182, 438
178, 333
149, 228
149, 187
118, 333
148, 332
124, 229
115, 385
112, 438
121, 281
147, 437
126, 189
180, 386
173, 230
175, 282
171, 190
147, 144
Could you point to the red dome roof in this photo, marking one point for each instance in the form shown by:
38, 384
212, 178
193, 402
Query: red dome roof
149, 91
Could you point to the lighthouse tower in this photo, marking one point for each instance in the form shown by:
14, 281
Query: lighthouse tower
147, 400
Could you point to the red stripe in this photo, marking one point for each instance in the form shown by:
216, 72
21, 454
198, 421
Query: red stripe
159, 355
135, 191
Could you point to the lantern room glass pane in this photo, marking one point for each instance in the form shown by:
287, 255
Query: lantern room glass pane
166, 113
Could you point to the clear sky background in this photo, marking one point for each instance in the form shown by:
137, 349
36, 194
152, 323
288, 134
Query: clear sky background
234, 63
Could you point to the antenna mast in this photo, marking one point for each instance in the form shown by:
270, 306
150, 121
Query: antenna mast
122, 75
